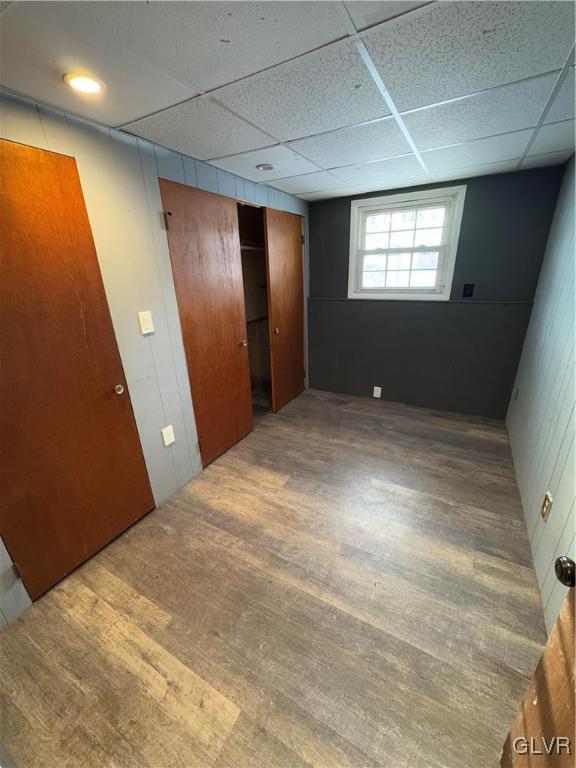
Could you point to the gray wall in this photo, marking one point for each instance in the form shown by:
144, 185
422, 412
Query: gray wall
541, 417
459, 355
119, 176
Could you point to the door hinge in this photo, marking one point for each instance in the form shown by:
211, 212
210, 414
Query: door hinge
302, 239
166, 216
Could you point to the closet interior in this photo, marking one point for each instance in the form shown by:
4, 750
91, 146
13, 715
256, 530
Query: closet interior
255, 280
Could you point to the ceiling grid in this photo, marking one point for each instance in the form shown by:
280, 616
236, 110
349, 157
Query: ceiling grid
569, 65
341, 97
375, 75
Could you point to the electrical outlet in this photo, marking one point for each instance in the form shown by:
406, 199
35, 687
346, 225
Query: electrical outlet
546, 506
377, 392
168, 435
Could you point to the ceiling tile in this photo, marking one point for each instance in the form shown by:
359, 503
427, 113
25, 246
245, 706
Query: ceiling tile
450, 49
43, 40
210, 43
499, 110
285, 162
563, 105
357, 144
321, 91
380, 172
494, 149
327, 195
486, 169
553, 158
309, 182
201, 128
366, 13
354, 190
553, 138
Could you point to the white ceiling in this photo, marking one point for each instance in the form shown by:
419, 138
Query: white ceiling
443, 90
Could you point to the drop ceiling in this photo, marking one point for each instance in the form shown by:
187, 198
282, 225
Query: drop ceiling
340, 97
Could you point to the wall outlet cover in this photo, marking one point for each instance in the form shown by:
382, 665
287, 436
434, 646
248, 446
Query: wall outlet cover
546, 505
377, 392
168, 435
145, 322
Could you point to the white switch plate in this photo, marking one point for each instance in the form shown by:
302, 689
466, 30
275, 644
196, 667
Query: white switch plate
145, 322
377, 392
168, 435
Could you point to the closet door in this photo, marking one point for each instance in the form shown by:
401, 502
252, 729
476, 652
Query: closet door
72, 473
204, 247
285, 304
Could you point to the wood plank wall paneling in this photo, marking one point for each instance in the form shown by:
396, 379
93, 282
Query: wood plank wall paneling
121, 215
541, 416
119, 175
13, 596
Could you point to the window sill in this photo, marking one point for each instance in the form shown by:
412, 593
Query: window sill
375, 296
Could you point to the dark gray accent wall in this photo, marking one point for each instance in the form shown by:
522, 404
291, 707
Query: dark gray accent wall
459, 355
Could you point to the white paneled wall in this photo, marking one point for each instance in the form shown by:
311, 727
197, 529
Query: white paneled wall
123, 205
13, 597
541, 416
119, 176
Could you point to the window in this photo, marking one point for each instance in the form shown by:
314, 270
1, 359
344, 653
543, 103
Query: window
404, 246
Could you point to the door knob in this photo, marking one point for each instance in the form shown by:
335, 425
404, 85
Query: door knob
244, 343
277, 330
119, 389
565, 571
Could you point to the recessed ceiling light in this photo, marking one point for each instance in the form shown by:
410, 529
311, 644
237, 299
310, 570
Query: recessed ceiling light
264, 167
83, 83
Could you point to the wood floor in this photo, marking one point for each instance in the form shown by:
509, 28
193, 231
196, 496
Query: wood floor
348, 586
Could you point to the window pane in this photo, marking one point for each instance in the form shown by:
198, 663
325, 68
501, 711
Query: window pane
425, 260
428, 237
374, 262
373, 279
431, 217
378, 223
397, 279
403, 220
423, 279
377, 241
401, 239
398, 261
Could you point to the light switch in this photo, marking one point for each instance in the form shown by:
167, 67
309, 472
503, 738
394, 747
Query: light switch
168, 435
145, 322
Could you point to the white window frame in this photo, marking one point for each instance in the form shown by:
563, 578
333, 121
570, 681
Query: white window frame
451, 197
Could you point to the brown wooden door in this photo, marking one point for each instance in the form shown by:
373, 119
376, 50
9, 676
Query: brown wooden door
205, 253
285, 304
72, 474
547, 710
